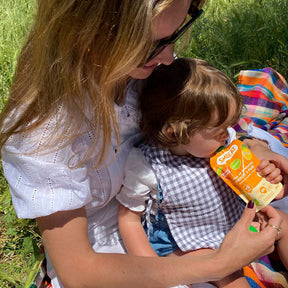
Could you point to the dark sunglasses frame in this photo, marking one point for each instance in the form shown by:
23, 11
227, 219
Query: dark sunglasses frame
194, 13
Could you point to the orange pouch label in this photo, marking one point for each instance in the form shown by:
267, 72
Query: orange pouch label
236, 165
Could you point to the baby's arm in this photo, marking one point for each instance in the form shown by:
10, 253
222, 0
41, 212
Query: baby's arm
139, 185
133, 234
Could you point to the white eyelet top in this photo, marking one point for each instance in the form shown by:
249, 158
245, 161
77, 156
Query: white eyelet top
42, 184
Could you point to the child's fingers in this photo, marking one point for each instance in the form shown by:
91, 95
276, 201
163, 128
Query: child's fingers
274, 177
268, 169
263, 164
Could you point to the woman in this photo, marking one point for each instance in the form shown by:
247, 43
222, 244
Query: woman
67, 128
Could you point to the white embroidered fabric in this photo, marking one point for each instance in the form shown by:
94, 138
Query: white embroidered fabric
42, 184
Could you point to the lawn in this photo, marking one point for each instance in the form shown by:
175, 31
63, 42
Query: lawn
19, 240
232, 34
239, 35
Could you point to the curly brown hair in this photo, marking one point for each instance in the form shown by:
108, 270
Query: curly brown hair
184, 96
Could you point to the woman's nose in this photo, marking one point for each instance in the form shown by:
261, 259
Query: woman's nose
166, 56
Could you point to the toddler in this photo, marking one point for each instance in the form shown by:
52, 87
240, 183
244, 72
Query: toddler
188, 109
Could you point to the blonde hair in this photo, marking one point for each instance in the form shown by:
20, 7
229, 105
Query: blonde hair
77, 58
184, 96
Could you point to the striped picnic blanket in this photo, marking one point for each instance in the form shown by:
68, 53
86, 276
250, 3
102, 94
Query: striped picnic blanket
260, 274
265, 94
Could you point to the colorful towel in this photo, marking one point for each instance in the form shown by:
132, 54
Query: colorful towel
260, 274
40, 279
265, 94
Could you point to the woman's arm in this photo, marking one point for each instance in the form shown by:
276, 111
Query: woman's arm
77, 265
133, 234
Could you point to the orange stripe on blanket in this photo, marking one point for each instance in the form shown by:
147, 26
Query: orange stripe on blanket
248, 272
248, 80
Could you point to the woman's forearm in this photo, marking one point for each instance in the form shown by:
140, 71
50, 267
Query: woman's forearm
118, 270
77, 265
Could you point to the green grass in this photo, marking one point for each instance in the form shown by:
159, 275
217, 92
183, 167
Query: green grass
233, 35
19, 240
239, 35
15, 16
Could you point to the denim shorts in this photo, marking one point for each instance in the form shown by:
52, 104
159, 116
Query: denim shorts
160, 236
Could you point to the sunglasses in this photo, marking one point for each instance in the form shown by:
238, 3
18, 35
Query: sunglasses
194, 12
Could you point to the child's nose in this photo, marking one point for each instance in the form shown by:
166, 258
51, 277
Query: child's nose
225, 135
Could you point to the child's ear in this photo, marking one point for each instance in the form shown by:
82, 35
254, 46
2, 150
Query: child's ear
170, 132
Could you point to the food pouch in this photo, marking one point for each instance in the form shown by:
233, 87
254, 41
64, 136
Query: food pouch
236, 165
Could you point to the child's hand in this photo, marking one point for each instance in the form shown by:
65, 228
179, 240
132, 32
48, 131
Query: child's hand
272, 174
269, 171
261, 150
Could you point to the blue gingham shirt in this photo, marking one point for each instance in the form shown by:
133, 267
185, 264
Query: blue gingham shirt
199, 207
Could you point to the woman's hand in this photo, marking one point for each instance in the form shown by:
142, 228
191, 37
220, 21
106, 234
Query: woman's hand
247, 246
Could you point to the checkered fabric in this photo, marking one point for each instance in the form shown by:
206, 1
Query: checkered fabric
199, 207
265, 94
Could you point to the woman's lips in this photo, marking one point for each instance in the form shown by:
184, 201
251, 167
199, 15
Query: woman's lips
150, 67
